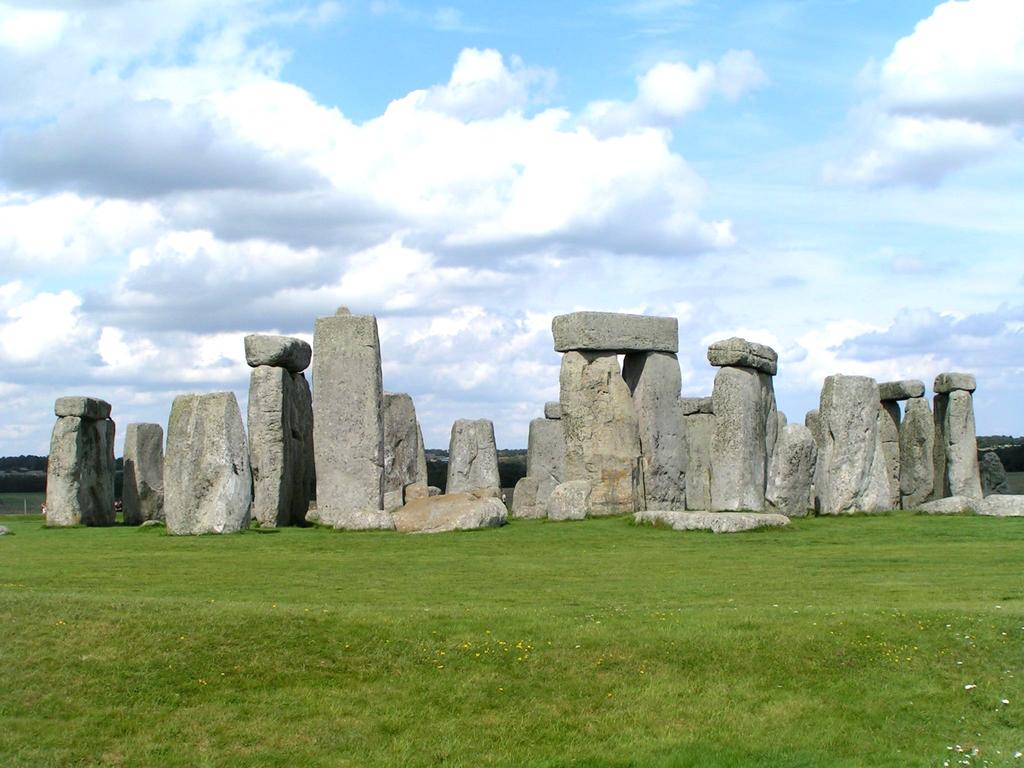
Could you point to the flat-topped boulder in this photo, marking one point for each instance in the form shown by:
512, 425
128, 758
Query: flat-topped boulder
900, 390
951, 505
553, 410
82, 407
277, 351
614, 332
950, 382
748, 354
451, 512
692, 405
717, 522
1006, 505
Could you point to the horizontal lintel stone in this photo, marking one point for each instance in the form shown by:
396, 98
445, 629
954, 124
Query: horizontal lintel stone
82, 407
740, 352
615, 332
948, 382
901, 390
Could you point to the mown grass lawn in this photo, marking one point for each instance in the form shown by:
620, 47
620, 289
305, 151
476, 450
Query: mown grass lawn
866, 641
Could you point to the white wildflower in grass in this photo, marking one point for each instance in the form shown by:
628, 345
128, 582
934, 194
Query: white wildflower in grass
970, 687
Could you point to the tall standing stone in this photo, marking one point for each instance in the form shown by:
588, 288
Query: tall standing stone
889, 430
143, 497
853, 475
545, 455
401, 447
421, 456
207, 478
602, 439
472, 457
700, 426
80, 471
280, 420
961, 475
993, 475
917, 444
746, 423
655, 382
348, 426
791, 473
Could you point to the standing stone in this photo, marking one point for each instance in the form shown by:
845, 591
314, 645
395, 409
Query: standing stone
545, 462
812, 420
401, 447
917, 443
791, 474
143, 497
602, 440
655, 382
853, 475
889, 429
280, 436
524, 498
472, 457
348, 427
570, 500
207, 479
80, 471
993, 475
962, 477
700, 426
745, 422
421, 457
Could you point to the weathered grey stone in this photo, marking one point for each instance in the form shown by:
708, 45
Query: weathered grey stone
717, 522
740, 352
280, 420
852, 474
401, 444
394, 499
530, 497
655, 382
545, 458
472, 457
889, 417
746, 427
917, 444
415, 491
951, 505
783, 421
901, 390
812, 420
80, 473
614, 332
433, 490
963, 476
569, 500
993, 474
83, 407
207, 479
791, 473
692, 405
152, 524
602, 440
348, 424
421, 456
951, 382
451, 512
1004, 505
143, 497
553, 410
277, 351
365, 520
700, 426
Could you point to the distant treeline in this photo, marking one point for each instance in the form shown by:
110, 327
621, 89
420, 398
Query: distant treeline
990, 441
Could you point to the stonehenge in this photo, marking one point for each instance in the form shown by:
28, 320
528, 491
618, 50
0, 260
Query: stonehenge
280, 420
545, 464
956, 446
790, 484
403, 450
993, 474
143, 497
472, 457
80, 473
917, 444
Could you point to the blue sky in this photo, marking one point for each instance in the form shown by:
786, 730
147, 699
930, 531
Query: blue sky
841, 180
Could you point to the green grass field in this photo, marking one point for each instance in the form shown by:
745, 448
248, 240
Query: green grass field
865, 641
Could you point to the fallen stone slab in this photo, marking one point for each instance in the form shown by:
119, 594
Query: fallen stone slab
950, 382
1005, 505
900, 390
277, 351
83, 407
353, 520
614, 332
717, 522
451, 512
553, 410
951, 505
569, 500
692, 405
748, 354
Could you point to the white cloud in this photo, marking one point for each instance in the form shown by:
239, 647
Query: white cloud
30, 31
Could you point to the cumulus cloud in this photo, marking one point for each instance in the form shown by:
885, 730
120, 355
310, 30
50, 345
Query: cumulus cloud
948, 95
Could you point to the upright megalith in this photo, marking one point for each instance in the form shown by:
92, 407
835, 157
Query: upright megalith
280, 416
699, 424
791, 472
207, 478
956, 444
401, 448
746, 423
143, 497
889, 418
602, 437
993, 475
472, 457
655, 382
917, 444
545, 468
80, 472
348, 424
851, 475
